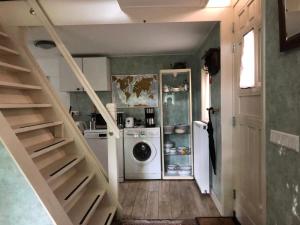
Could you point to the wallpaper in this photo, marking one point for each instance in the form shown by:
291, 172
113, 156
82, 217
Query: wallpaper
282, 113
18, 202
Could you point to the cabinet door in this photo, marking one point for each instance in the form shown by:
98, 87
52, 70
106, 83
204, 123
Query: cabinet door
68, 81
97, 72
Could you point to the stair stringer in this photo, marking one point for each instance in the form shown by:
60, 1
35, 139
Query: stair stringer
24, 162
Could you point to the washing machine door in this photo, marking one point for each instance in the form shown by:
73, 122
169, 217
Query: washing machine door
143, 152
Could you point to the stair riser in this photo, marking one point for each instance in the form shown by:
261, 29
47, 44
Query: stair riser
55, 147
65, 168
77, 190
12, 96
11, 58
22, 116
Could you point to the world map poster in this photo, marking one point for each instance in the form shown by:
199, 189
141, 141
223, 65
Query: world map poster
135, 90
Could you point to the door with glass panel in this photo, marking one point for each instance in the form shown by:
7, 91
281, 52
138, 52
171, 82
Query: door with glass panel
176, 121
249, 183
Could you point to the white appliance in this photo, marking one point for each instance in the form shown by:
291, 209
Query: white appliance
201, 156
129, 122
97, 140
142, 153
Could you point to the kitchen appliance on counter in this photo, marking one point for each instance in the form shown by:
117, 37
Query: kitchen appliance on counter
149, 117
97, 140
129, 122
120, 120
97, 122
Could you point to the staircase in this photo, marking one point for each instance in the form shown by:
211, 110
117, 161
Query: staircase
46, 144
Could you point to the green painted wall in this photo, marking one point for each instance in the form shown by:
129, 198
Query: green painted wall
282, 113
212, 41
129, 66
18, 203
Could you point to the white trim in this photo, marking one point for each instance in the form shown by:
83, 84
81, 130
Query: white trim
217, 202
263, 130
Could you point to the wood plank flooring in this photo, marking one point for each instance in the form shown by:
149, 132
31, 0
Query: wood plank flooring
164, 200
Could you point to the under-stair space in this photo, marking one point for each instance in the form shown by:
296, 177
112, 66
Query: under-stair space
67, 168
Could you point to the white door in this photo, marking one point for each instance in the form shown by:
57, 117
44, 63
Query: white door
249, 183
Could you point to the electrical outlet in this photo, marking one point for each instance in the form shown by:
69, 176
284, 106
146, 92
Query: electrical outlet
289, 141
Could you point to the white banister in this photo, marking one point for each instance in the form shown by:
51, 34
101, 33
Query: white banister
41, 14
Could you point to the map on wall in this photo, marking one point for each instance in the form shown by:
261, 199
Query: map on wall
135, 90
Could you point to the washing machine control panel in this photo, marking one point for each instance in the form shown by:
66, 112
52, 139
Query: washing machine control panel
142, 132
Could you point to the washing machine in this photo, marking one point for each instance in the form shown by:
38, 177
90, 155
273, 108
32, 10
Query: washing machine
142, 153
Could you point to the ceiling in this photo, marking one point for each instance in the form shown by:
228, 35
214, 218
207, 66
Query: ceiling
127, 39
88, 12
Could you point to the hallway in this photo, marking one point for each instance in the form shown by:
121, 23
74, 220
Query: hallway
164, 200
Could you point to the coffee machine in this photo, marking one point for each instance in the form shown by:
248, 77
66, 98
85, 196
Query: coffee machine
149, 117
120, 120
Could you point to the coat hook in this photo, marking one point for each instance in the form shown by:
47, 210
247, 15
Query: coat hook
213, 110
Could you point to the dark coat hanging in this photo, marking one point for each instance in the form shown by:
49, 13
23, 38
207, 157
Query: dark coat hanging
212, 150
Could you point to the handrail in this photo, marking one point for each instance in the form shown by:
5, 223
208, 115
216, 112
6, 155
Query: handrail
40, 12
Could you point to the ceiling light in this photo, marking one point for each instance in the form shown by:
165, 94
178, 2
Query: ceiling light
44, 44
218, 3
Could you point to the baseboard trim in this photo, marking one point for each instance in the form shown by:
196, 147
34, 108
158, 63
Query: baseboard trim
216, 201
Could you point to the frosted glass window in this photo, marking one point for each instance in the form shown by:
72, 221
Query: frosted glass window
247, 70
205, 95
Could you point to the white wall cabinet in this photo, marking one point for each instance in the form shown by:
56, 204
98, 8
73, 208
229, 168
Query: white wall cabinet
68, 82
96, 70
50, 66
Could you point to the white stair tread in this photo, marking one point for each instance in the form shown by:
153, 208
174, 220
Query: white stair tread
3, 34
37, 126
8, 50
66, 192
24, 106
103, 215
84, 209
47, 146
61, 166
19, 86
14, 67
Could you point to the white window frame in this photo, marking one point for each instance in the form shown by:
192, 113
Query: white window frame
257, 53
247, 73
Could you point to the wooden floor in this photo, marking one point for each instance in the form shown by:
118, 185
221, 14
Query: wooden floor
164, 200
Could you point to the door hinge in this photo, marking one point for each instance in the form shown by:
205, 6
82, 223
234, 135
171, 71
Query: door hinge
233, 30
233, 121
234, 194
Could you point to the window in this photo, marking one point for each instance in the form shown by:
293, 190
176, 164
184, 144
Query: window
247, 69
205, 95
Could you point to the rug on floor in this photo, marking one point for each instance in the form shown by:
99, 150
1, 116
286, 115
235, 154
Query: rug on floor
215, 221
159, 222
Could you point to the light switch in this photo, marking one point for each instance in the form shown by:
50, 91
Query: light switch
289, 141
